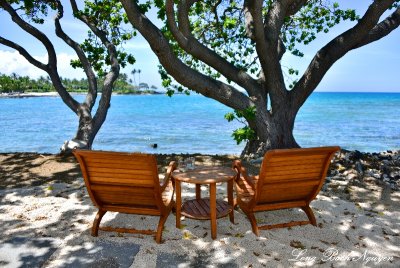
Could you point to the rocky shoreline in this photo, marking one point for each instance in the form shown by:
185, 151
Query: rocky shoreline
348, 168
383, 167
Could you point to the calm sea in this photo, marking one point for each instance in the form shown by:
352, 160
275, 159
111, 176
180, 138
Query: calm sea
195, 124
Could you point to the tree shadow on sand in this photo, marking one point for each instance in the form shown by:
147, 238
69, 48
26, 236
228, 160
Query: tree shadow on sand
31, 169
355, 219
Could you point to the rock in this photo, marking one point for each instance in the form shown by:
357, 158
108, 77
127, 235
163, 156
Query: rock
385, 169
375, 168
71, 145
359, 167
385, 178
340, 168
369, 179
338, 178
376, 175
356, 155
394, 187
351, 176
256, 161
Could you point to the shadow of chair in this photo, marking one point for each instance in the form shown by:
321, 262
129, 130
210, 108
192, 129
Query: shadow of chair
288, 178
126, 183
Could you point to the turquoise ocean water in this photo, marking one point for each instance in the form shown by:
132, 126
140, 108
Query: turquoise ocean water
194, 124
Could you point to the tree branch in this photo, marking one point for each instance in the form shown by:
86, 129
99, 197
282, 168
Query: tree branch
382, 29
24, 53
87, 67
339, 46
51, 67
111, 76
192, 46
183, 74
248, 19
30, 29
183, 11
294, 6
267, 39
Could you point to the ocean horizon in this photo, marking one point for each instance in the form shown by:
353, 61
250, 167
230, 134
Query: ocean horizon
368, 122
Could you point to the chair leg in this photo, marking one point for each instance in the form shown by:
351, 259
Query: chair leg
253, 221
310, 214
96, 222
163, 219
235, 203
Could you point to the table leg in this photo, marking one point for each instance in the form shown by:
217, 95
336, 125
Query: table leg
213, 210
178, 203
198, 191
230, 199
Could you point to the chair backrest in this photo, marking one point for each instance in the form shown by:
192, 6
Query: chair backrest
288, 175
120, 179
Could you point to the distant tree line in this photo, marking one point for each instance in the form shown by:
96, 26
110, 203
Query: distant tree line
17, 83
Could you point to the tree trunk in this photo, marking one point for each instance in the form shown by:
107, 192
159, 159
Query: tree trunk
85, 134
273, 131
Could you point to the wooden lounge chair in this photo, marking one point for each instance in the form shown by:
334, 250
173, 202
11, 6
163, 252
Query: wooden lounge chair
126, 183
288, 178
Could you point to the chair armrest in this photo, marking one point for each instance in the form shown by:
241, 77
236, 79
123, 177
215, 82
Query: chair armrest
168, 175
242, 173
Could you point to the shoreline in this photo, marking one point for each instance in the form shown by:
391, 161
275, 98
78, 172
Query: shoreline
55, 94
342, 151
17, 95
29, 95
379, 167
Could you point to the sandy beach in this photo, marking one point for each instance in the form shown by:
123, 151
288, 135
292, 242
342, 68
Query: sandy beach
28, 94
43, 196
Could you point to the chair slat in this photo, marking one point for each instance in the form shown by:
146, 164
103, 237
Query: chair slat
288, 178
118, 180
126, 183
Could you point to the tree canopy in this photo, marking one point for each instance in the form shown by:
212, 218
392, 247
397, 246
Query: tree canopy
16, 83
231, 51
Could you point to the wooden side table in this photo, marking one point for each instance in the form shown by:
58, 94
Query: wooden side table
205, 208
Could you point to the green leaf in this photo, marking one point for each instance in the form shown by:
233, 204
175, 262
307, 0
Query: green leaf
229, 116
242, 134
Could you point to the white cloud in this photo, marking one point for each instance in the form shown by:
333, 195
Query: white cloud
13, 62
136, 45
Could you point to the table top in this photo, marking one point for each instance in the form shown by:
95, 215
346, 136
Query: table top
205, 175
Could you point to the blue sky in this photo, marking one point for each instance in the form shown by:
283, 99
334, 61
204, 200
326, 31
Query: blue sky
370, 68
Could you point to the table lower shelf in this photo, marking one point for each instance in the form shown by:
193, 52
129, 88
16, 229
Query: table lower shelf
200, 209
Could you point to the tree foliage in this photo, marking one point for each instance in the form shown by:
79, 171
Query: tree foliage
108, 17
218, 25
16, 83
231, 51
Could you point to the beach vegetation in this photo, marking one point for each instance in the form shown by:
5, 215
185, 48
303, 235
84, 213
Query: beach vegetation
231, 51
24, 84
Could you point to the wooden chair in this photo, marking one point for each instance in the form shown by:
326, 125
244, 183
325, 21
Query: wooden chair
288, 178
126, 183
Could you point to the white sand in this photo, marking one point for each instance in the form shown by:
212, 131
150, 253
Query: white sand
365, 234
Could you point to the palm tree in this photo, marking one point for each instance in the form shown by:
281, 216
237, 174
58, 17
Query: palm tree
133, 74
139, 71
